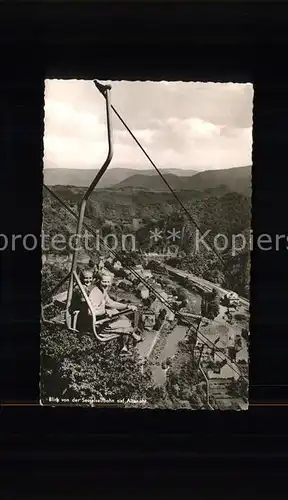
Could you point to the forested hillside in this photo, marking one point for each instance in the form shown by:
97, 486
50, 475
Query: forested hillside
227, 215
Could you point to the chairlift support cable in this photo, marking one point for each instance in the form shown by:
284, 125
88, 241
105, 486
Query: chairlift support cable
188, 214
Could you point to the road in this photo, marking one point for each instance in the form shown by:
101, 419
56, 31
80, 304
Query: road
204, 284
146, 347
169, 350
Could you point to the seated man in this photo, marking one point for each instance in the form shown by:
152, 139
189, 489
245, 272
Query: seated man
102, 306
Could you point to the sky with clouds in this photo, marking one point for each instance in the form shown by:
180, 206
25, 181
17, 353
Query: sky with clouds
179, 124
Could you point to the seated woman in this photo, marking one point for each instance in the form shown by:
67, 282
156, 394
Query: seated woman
103, 306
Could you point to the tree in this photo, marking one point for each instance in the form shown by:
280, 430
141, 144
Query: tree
238, 273
182, 384
215, 276
158, 324
174, 262
129, 259
89, 370
51, 276
239, 388
184, 282
210, 305
120, 273
158, 398
180, 293
154, 265
225, 301
147, 302
169, 361
245, 334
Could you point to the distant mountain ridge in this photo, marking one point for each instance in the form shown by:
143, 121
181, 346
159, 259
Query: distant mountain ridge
113, 176
153, 183
236, 179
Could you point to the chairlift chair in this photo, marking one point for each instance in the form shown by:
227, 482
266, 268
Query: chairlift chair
62, 301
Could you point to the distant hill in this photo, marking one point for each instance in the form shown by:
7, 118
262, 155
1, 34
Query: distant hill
113, 176
181, 172
153, 183
236, 179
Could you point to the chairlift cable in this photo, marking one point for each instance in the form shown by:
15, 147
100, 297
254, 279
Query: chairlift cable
188, 214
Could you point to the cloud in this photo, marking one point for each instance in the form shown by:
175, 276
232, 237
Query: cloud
218, 103
62, 119
76, 153
189, 125
201, 129
144, 135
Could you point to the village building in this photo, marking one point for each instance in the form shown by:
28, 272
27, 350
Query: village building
228, 371
136, 224
109, 260
148, 320
117, 265
241, 355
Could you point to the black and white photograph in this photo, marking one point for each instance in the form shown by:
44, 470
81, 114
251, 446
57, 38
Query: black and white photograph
146, 242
